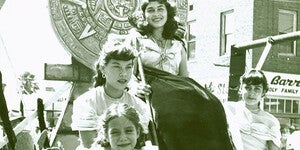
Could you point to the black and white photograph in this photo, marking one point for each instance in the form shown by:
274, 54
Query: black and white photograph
149, 75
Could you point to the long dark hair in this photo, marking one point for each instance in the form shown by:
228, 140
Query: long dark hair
114, 48
171, 25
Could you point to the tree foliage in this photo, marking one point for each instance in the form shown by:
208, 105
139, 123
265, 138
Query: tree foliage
28, 84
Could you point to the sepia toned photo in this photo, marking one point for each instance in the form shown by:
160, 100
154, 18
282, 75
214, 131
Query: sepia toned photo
149, 75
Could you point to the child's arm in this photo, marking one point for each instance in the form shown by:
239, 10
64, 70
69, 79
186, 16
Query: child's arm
84, 119
87, 137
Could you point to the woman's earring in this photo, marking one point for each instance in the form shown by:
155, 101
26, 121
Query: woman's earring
103, 75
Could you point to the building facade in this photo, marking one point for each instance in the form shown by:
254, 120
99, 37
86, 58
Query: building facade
219, 24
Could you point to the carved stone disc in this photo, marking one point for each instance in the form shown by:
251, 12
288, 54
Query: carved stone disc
83, 25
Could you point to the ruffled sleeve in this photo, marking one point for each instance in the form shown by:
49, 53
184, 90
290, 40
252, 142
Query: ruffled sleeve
84, 116
269, 130
265, 127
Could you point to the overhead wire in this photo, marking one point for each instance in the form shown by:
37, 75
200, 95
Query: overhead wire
11, 65
8, 57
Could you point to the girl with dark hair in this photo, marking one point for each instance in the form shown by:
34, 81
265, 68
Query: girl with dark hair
186, 115
113, 72
255, 128
121, 128
162, 49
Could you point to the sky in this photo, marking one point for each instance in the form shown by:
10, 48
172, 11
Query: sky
27, 41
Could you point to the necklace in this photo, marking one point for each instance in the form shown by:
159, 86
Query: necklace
162, 43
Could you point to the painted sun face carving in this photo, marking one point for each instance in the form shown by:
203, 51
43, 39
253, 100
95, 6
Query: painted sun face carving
120, 9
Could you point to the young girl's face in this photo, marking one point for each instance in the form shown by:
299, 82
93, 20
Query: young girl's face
156, 14
252, 94
122, 134
118, 73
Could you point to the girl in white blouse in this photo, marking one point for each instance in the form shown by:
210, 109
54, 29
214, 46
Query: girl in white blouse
162, 49
253, 128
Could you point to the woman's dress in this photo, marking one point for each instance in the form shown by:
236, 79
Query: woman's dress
167, 59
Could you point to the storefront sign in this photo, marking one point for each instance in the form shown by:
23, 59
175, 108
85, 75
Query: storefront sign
283, 84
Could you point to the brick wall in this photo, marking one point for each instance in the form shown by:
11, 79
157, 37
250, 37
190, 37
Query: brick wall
266, 24
208, 17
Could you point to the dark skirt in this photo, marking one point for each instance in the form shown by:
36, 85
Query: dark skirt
186, 115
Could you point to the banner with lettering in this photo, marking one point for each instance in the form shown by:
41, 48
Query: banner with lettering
217, 86
283, 84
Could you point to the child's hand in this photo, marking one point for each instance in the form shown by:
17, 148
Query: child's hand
143, 90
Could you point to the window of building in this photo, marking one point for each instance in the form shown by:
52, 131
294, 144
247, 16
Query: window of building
282, 106
226, 33
191, 7
287, 22
191, 39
